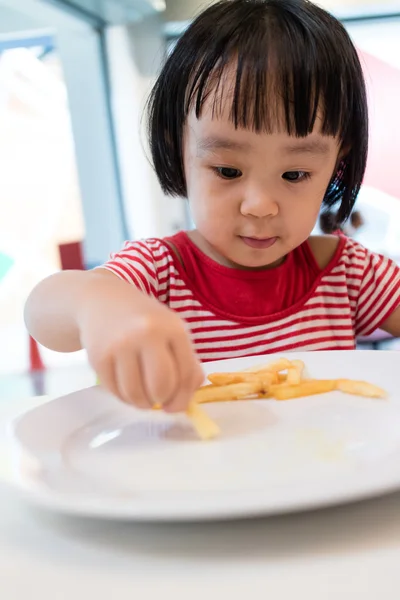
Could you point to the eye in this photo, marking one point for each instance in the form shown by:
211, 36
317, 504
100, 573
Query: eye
228, 172
296, 176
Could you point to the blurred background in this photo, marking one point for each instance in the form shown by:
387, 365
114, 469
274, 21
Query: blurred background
75, 178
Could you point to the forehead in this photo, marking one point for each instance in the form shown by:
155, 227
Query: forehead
210, 134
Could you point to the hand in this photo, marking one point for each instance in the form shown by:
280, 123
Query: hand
139, 348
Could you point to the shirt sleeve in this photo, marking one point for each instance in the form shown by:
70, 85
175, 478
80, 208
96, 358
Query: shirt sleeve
136, 265
379, 294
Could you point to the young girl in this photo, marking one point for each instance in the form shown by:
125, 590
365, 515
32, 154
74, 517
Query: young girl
258, 118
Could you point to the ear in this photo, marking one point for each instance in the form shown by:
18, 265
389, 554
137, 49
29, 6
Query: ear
343, 153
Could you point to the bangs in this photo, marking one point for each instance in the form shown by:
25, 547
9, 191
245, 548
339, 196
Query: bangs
285, 87
271, 66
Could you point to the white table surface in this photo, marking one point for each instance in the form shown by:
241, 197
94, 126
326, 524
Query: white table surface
345, 553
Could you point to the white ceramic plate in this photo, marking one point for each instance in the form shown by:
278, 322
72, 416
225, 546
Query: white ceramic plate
88, 454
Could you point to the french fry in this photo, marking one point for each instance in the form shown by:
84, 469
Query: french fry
298, 364
205, 427
262, 396
229, 378
310, 387
273, 367
360, 388
293, 377
220, 379
294, 374
226, 393
299, 367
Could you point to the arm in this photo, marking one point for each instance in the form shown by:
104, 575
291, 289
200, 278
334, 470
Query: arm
392, 324
52, 311
139, 348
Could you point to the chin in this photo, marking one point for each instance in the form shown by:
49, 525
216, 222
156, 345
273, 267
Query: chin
264, 259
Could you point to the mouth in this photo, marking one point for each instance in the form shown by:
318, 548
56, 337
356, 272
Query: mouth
258, 243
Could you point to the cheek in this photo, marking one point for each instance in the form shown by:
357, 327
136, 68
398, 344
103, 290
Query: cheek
210, 210
209, 199
301, 214
201, 201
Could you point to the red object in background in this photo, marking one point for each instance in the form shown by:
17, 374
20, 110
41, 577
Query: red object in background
35, 360
383, 81
71, 256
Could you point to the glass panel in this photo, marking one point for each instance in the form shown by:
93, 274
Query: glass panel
379, 201
40, 206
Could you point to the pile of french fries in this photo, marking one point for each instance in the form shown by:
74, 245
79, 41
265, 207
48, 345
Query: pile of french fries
279, 380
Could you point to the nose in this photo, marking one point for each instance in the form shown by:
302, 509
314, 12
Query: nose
259, 204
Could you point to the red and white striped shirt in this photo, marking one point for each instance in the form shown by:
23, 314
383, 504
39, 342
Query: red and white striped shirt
232, 313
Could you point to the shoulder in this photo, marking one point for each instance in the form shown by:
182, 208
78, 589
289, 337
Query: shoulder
151, 249
150, 256
143, 263
324, 248
331, 250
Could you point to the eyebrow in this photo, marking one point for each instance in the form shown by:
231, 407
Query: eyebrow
307, 147
213, 143
210, 144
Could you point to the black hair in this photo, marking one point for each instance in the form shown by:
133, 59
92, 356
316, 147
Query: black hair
288, 50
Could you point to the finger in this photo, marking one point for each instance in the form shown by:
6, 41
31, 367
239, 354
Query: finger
129, 378
160, 375
106, 376
190, 373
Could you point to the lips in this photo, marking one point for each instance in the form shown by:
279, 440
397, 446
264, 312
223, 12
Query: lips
259, 243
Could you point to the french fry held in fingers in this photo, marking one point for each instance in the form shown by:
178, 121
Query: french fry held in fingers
205, 427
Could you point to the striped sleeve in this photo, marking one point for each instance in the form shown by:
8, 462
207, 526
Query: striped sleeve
136, 265
379, 293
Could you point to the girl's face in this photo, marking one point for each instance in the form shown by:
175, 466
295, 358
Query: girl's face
254, 197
